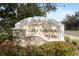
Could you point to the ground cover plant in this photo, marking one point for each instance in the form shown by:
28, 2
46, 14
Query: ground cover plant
8, 48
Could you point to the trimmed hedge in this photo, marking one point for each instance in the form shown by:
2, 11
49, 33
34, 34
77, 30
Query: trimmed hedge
54, 49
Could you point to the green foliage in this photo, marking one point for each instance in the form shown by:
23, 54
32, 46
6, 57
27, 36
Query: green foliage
34, 9
29, 10
67, 38
3, 36
54, 49
9, 49
71, 22
74, 41
8, 10
11, 13
8, 15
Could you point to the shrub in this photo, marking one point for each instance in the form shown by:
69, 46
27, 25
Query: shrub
67, 39
5, 36
54, 49
9, 49
78, 46
75, 42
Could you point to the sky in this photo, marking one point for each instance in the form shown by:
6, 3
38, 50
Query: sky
62, 10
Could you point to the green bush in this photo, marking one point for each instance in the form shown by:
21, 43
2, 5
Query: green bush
9, 49
54, 49
74, 41
5, 36
67, 39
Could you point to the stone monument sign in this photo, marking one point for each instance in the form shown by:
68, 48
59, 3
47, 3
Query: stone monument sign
38, 30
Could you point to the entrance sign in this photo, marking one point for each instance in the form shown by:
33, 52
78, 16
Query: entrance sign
46, 29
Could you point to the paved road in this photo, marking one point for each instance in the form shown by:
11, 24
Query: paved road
74, 33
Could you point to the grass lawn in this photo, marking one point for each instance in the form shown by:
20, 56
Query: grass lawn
73, 30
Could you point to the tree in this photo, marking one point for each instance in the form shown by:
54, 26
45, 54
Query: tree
71, 22
77, 19
12, 13
8, 18
34, 9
